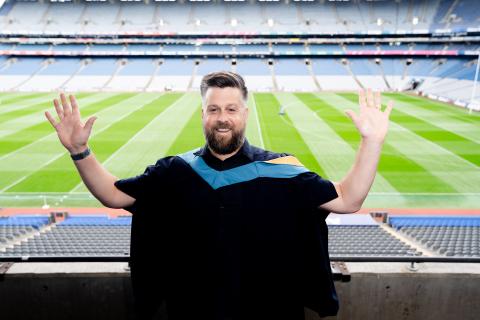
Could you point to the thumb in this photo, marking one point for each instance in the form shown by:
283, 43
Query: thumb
89, 124
352, 115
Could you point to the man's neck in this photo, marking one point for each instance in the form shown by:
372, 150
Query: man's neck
222, 157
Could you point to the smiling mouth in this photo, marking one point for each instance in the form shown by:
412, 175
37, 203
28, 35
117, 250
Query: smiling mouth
222, 130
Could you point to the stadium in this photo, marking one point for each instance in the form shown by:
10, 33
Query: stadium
413, 250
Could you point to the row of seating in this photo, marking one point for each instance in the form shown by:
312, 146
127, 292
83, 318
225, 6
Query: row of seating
78, 236
457, 68
239, 48
450, 236
102, 236
235, 16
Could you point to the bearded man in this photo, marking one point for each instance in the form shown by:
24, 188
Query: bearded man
229, 230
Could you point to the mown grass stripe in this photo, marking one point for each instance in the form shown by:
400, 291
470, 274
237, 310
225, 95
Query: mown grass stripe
152, 142
190, 137
465, 129
393, 165
18, 124
281, 137
437, 106
16, 166
25, 104
19, 97
461, 146
29, 135
61, 175
17, 108
458, 173
333, 153
20, 112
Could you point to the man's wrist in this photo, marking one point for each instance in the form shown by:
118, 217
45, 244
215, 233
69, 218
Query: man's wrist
80, 154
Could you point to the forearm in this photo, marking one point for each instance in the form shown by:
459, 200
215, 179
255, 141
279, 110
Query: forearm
355, 186
100, 182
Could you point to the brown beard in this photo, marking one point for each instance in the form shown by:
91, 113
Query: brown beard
224, 145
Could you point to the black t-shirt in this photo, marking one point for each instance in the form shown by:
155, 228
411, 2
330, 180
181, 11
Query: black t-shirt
241, 238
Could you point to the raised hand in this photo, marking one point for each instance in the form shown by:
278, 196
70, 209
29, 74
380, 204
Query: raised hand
371, 122
72, 132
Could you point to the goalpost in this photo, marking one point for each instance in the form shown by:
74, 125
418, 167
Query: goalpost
474, 89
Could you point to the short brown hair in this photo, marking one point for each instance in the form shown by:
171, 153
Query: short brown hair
223, 79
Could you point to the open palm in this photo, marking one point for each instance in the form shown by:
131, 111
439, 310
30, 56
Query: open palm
72, 132
371, 122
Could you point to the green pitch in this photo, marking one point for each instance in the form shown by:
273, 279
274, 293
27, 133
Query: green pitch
431, 157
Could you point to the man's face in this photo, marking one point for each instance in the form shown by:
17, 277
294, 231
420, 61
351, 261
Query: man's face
224, 117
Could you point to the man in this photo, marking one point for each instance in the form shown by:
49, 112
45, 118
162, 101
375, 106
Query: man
230, 231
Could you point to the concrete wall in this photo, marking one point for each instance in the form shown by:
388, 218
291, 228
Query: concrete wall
391, 291
66, 291
376, 291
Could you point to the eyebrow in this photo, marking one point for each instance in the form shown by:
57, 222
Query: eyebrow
228, 105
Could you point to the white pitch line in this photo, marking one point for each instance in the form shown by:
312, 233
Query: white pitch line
252, 99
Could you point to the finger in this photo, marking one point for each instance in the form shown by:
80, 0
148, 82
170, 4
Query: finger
370, 100
352, 115
378, 100
66, 107
58, 109
89, 124
51, 119
361, 98
389, 108
74, 105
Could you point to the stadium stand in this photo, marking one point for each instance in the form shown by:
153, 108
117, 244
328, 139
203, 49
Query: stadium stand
350, 236
76, 236
309, 17
24, 73
449, 236
390, 46
16, 228
360, 235
365, 241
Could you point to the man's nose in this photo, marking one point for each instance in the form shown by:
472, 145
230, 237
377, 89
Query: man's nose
222, 116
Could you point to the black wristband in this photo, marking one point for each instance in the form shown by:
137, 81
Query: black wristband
81, 155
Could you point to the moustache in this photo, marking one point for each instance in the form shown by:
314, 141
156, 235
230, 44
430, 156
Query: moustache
222, 126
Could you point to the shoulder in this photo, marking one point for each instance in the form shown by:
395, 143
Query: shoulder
169, 164
163, 163
259, 154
